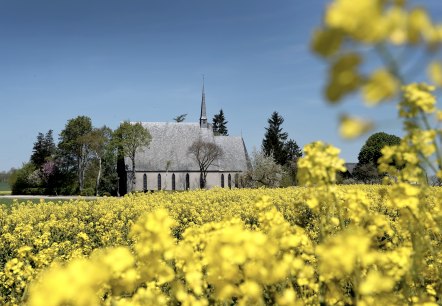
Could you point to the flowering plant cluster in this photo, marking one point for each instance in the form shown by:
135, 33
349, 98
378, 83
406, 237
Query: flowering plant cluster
355, 245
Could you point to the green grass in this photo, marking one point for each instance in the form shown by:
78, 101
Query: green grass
9, 201
4, 186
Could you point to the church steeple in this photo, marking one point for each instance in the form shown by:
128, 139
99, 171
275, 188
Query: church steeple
203, 116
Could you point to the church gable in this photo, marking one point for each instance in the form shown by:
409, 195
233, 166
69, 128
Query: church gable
168, 152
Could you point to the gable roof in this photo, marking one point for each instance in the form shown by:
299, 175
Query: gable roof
170, 144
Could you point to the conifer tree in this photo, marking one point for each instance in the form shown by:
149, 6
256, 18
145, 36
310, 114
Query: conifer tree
219, 124
274, 139
43, 149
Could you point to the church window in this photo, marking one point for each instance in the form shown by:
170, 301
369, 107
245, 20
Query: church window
144, 182
173, 181
237, 180
201, 181
229, 181
222, 180
159, 181
187, 181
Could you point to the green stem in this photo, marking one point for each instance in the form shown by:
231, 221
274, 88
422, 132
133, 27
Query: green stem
389, 61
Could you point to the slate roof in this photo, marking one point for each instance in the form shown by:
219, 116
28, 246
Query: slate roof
350, 167
170, 144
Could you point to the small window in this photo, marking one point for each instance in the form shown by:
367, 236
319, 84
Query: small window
201, 181
236, 180
159, 181
229, 181
187, 181
222, 180
173, 181
145, 182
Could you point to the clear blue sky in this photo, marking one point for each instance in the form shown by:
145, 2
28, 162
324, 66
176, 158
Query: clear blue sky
143, 60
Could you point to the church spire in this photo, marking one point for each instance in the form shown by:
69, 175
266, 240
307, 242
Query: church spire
203, 116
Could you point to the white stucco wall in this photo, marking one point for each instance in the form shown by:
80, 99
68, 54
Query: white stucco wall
213, 179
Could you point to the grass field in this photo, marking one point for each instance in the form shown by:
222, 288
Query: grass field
9, 201
4, 188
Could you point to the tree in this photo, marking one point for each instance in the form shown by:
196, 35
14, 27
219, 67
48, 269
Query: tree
43, 150
273, 143
264, 171
131, 137
219, 124
371, 150
74, 147
99, 143
204, 153
366, 169
180, 118
367, 173
292, 151
22, 182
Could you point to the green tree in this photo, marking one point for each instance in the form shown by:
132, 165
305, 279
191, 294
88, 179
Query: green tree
273, 143
22, 180
180, 118
371, 150
219, 124
131, 137
366, 169
43, 150
292, 151
99, 142
74, 147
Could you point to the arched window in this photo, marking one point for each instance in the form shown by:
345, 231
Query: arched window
222, 180
173, 181
187, 181
236, 180
159, 181
145, 182
229, 181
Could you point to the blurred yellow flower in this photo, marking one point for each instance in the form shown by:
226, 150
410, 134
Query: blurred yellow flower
353, 127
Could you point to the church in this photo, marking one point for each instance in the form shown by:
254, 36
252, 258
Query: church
166, 163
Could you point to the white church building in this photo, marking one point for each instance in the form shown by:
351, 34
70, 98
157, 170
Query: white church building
166, 163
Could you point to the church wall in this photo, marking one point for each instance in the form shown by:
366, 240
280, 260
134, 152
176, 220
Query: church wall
151, 181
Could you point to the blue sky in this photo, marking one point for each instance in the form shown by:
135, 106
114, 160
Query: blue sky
143, 61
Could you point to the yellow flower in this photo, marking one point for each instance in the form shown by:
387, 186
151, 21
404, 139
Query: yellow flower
319, 164
416, 98
380, 86
343, 77
353, 127
376, 283
435, 73
361, 20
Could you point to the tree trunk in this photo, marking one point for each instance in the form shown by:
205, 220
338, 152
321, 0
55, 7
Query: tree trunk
98, 176
80, 181
133, 173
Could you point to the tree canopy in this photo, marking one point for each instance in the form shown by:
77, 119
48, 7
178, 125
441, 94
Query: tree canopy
180, 118
43, 150
131, 137
371, 150
219, 124
274, 139
73, 146
204, 153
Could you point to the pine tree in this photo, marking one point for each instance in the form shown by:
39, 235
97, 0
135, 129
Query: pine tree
293, 151
43, 149
274, 139
219, 124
